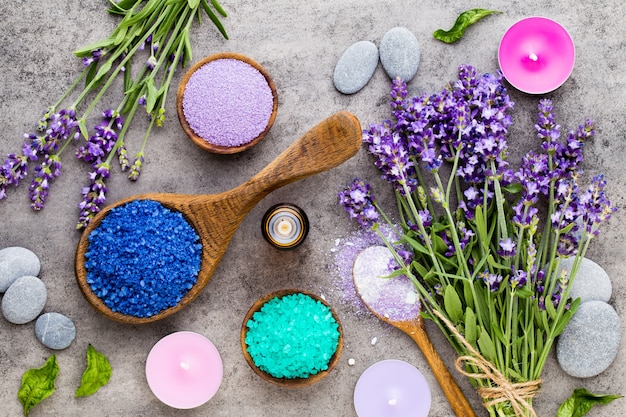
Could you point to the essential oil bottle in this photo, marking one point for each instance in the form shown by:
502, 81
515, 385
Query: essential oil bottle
285, 226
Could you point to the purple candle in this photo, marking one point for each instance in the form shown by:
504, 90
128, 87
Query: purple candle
536, 55
228, 102
392, 388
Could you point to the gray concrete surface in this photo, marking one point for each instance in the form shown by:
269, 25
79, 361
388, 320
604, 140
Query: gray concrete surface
299, 44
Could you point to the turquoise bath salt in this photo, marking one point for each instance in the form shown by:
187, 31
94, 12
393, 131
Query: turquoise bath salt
293, 336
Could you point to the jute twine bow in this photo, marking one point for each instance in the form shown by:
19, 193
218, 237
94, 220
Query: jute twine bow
502, 390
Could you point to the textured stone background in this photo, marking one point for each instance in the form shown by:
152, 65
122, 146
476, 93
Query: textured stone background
299, 44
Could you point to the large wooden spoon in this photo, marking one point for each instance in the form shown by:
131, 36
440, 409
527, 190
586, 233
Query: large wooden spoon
413, 326
216, 217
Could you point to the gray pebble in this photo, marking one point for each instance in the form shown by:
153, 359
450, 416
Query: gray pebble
16, 262
590, 341
54, 330
591, 283
355, 67
400, 54
24, 300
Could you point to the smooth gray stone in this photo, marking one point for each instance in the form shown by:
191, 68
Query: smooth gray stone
590, 341
591, 283
24, 300
400, 54
16, 262
355, 67
54, 330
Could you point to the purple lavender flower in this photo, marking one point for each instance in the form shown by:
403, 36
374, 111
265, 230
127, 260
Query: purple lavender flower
12, 171
518, 279
392, 156
595, 207
492, 281
94, 195
358, 201
45, 173
135, 168
507, 248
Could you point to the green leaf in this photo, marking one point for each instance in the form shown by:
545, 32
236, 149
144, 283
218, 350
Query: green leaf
214, 18
96, 375
38, 384
86, 50
420, 269
82, 126
152, 95
486, 346
515, 188
417, 245
581, 402
471, 330
219, 8
452, 304
193, 3
465, 20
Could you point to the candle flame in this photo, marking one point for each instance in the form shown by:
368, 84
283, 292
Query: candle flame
393, 401
184, 365
533, 57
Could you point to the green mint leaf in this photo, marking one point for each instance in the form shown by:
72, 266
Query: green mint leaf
581, 402
465, 20
38, 384
96, 375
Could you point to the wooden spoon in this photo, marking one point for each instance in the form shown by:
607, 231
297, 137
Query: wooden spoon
216, 217
414, 327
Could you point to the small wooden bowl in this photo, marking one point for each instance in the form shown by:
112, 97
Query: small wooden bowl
200, 141
287, 382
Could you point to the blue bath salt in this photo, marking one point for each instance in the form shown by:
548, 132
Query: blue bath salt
293, 336
142, 258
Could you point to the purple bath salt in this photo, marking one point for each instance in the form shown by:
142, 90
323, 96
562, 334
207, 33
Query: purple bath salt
394, 298
228, 102
346, 252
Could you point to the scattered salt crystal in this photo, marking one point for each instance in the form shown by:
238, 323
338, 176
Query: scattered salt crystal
374, 340
337, 242
351, 361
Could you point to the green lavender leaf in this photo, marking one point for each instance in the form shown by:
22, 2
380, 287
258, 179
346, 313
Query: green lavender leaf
581, 402
96, 375
465, 20
486, 346
452, 304
38, 384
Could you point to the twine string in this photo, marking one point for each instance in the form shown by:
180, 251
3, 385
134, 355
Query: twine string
502, 390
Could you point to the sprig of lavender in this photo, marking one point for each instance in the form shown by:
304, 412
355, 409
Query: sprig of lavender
153, 32
482, 265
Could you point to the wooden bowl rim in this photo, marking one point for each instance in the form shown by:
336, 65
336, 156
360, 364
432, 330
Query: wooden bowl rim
96, 302
285, 382
198, 140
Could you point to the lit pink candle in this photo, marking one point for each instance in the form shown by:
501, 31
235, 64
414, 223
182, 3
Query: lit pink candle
392, 388
536, 55
184, 370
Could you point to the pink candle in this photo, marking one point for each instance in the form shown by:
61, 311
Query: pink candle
536, 55
184, 370
392, 388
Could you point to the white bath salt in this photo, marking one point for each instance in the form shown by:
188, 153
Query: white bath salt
351, 361
337, 242
374, 340
394, 298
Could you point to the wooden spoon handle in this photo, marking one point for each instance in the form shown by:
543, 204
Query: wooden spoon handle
450, 388
326, 145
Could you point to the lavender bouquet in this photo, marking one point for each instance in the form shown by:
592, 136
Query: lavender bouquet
484, 241
153, 32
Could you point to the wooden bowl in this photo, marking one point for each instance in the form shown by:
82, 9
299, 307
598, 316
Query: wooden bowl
200, 141
287, 382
